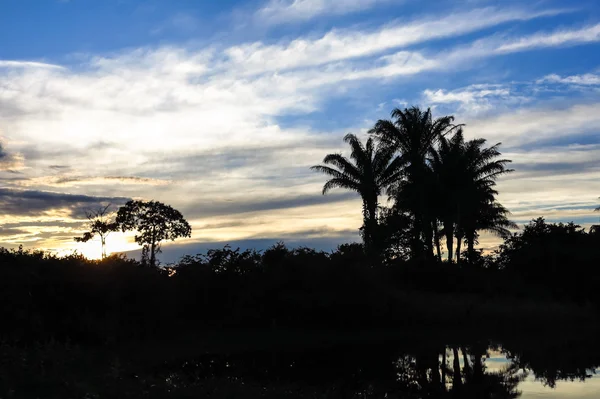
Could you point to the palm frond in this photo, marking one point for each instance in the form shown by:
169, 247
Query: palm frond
343, 164
340, 183
336, 174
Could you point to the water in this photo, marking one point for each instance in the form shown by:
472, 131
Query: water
534, 367
532, 387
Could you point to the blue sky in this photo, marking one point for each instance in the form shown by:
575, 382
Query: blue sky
219, 108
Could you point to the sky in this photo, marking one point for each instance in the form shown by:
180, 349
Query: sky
220, 108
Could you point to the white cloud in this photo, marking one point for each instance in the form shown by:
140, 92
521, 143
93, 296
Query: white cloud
338, 45
554, 180
558, 38
67, 180
284, 11
560, 182
470, 100
588, 79
26, 64
532, 125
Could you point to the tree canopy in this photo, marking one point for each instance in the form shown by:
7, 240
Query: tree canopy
154, 222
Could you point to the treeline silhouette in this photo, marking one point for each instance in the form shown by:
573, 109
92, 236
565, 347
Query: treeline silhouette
546, 271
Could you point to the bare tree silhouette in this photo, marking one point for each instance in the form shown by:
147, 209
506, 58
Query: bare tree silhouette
101, 224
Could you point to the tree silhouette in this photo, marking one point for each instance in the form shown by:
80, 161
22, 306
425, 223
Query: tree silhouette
100, 224
412, 135
446, 166
424, 376
395, 234
595, 229
372, 170
465, 174
478, 383
154, 222
481, 211
491, 217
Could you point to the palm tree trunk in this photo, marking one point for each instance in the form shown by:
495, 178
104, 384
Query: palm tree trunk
435, 374
444, 368
417, 249
366, 224
466, 366
370, 226
449, 230
428, 236
470, 247
436, 238
456, 377
459, 236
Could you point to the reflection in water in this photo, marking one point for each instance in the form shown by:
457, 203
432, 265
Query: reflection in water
457, 373
479, 370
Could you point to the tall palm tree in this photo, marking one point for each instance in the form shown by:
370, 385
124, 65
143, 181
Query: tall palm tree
446, 165
465, 175
370, 170
412, 134
480, 210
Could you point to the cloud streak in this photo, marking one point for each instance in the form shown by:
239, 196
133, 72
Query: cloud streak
277, 12
339, 45
41, 203
564, 37
588, 79
539, 125
28, 64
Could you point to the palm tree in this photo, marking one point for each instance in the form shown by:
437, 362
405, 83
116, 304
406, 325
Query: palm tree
465, 175
370, 170
480, 211
446, 165
412, 134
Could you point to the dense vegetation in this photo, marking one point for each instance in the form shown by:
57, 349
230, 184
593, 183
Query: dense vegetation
120, 328
122, 300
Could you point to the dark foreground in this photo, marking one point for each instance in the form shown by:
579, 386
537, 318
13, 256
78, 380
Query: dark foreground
296, 364
304, 324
